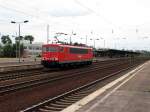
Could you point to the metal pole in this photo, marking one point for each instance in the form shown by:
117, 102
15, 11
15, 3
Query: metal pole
104, 43
94, 43
70, 39
86, 40
16, 44
19, 43
47, 33
16, 48
19, 52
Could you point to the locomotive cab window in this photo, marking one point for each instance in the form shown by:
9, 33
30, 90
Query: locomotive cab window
44, 49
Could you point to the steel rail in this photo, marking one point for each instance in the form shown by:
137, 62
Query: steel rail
22, 85
69, 93
24, 73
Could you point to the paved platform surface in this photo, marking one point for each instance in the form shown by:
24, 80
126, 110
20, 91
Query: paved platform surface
132, 96
15, 61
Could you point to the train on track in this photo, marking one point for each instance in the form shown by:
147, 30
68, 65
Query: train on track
60, 55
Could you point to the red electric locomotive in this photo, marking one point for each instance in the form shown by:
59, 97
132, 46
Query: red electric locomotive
54, 55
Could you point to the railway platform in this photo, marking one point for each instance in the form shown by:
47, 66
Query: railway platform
4, 62
11, 64
15, 61
129, 93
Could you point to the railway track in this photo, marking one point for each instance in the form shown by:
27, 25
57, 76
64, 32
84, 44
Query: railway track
38, 93
18, 67
62, 101
25, 73
9, 75
48, 79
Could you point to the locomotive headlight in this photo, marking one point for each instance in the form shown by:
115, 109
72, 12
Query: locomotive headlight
56, 58
50, 58
53, 59
43, 58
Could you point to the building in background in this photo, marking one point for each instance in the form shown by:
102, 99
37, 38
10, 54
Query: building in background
32, 50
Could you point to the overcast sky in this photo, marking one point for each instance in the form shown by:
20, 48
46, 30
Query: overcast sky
121, 24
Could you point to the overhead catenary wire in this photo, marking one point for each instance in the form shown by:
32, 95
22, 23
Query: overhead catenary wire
94, 11
15, 10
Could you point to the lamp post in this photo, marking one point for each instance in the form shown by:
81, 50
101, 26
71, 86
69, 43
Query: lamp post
94, 41
71, 38
124, 38
85, 39
16, 44
104, 41
14, 22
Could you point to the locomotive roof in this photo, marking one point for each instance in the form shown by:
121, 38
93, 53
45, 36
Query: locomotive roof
72, 46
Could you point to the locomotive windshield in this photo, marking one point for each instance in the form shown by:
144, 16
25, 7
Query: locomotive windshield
50, 49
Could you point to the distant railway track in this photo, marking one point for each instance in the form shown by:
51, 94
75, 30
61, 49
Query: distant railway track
12, 69
24, 73
9, 75
27, 73
42, 80
61, 101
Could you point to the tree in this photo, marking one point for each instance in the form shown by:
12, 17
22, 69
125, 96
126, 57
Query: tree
5, 39
1, 50
7, 50
17, 38
30, 38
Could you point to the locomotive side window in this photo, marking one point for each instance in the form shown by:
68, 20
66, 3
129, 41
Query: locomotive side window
53, 49
61, 49
50, 49
78, 51
47, 49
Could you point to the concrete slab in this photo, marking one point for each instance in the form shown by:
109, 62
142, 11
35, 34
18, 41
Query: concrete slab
131, 95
